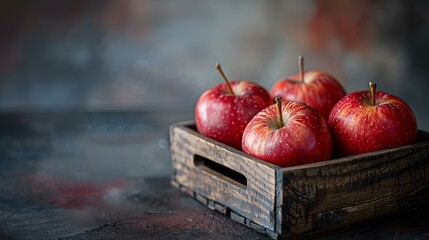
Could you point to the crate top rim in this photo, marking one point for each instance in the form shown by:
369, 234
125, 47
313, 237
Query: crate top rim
187, 125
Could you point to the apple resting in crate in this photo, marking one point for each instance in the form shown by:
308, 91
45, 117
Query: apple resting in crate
223, 111
288, 134
318, 89
367, 121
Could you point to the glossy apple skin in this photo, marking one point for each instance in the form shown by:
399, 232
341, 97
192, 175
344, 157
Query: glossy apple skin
319, 90
358, 127
305, 137
223, 117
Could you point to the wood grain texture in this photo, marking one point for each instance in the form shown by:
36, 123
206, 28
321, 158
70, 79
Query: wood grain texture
254, 200
300, 200
349, 190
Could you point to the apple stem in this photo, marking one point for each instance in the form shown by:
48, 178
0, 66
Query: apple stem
219, 68
301, 67
372, 87
279, 110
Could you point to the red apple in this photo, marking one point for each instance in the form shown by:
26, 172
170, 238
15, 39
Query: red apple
366, 121
288, 134
223, 111
318, 89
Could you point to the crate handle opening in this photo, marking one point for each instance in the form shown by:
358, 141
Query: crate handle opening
219, 170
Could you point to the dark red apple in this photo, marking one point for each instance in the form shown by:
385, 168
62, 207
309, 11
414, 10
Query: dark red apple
288, 134
223, 111
366, 121
318, 89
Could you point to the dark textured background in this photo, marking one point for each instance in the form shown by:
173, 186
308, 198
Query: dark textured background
146, 54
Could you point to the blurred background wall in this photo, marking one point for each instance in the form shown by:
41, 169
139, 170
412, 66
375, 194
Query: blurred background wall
149, 54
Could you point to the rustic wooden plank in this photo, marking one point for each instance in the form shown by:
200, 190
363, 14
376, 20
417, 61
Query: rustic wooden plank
221, 208
238, 218
255, 200
201, 199
352, 189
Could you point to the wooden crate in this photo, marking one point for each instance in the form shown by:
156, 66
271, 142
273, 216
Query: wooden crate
288, 202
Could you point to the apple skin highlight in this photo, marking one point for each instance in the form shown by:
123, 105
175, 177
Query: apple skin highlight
358, 127
223, 116
303, 139
318, 89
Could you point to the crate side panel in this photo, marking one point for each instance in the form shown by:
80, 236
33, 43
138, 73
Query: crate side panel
347, 192
256, 201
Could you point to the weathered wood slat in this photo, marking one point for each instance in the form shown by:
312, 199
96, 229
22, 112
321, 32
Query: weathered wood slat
289, 202
349, 190
255, 200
